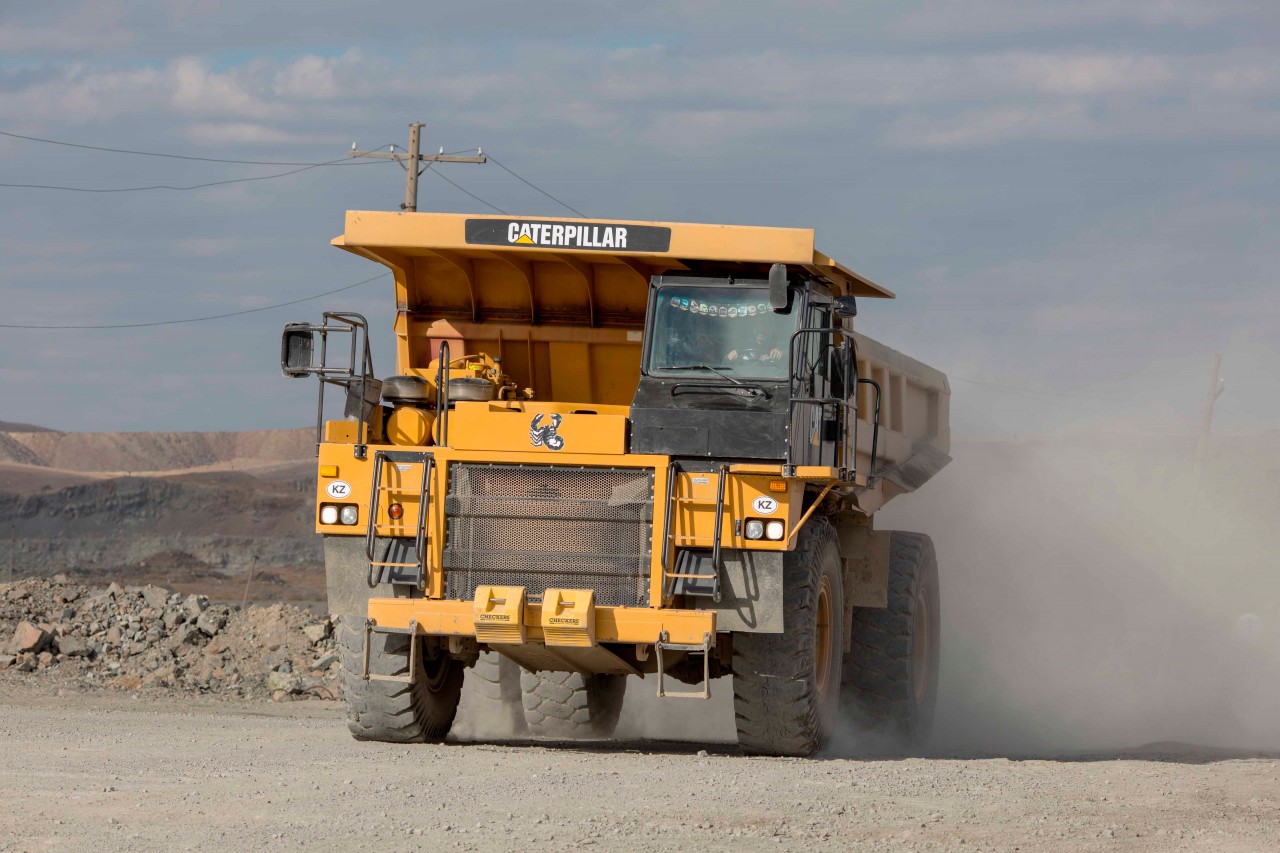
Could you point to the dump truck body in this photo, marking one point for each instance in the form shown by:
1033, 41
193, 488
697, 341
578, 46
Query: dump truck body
608, 445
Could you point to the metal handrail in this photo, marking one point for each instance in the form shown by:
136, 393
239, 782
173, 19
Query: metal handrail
358, 327
442, 395
849, 444
717, 530
673, 471
875, 425
380, 458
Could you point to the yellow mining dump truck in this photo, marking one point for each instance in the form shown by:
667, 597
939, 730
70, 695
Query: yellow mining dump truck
618, 449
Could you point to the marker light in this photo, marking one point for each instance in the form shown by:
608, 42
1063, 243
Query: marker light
328, 515
754, 529
350, 515
774, 529
395, 512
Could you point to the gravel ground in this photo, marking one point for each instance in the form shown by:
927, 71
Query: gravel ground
109, 772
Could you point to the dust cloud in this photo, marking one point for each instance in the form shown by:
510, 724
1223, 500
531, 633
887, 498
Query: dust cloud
1097, 596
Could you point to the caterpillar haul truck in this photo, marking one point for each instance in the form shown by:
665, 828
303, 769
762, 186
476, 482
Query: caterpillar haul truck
623, 449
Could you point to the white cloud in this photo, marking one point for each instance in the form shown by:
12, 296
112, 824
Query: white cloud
197, 89
312, 77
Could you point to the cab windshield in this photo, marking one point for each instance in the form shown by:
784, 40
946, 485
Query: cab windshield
702, 331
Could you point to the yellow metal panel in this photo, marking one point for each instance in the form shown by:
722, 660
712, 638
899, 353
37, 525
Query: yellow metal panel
562, 362
343, 432
816, 473
613, 624
693, 520
477, 426
412, 232
571, 379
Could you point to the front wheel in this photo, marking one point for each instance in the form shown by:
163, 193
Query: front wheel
786, 687
890, 681
393, 711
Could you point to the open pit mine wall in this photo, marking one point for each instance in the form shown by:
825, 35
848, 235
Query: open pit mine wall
224, 522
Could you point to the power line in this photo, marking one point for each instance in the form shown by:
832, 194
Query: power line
157, 153
170, 187
460, 188
536, 187
201, 319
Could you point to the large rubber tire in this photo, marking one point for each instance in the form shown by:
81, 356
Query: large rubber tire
392, 711
493, 695
890, 680
786, 687
571, 705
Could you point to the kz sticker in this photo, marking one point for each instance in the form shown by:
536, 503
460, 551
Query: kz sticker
764, 505
338, 489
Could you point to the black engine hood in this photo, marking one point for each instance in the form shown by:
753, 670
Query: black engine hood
710, 418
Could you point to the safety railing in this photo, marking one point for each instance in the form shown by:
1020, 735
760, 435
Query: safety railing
297, 358
845, 446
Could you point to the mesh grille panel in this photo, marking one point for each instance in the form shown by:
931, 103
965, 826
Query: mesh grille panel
547, 526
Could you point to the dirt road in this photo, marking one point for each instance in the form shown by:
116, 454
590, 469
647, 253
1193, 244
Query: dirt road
103, 772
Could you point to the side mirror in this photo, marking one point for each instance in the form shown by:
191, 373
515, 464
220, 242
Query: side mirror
779, 296
846, 306
297, 345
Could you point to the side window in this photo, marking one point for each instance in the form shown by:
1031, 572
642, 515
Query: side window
820, 345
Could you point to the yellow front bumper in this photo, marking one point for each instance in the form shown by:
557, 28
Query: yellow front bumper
612, 624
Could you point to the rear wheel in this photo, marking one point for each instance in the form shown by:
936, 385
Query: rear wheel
569, 704
491, 703
890, 680
786, 686
393, 711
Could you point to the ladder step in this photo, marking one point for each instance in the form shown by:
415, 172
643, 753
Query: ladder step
704, 649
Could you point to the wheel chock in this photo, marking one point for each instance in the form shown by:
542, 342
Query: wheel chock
569, 617
498, 613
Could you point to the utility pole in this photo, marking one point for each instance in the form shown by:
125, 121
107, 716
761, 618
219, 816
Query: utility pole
411, 160
1216, 386
1184, 565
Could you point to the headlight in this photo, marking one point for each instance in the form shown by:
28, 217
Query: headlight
774, 529
328, 515
350, 515
395, 512
754, 529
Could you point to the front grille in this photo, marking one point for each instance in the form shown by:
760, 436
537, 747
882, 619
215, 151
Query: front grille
548, 527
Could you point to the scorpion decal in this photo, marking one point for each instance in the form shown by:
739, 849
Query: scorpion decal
540, 435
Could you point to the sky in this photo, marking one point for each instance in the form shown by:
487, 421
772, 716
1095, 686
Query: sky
1078, 203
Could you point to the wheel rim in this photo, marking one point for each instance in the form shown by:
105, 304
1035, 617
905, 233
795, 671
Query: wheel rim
435, 673
822, 640
920, 642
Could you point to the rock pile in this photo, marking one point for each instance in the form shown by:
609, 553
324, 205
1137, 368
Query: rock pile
142, 638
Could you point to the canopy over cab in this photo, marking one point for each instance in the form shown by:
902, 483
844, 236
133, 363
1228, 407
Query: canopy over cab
561, 301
